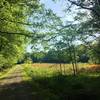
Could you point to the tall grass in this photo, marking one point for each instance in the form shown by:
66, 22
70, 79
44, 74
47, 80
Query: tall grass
52, 68
49, 84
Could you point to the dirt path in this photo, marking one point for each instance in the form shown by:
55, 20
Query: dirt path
12, 87
14, 77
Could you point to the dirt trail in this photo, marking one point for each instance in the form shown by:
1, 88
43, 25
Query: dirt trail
12, 87
13, 77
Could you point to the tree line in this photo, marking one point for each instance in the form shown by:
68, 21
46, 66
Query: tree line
83, 55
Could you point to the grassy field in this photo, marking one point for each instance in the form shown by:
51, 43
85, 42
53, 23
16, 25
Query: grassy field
49, 84
66, 69
44, 81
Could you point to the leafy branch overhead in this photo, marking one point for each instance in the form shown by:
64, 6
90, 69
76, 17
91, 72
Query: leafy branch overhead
24, 22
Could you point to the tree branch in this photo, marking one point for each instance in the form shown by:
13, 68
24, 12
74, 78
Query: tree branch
23, 23
22, 34
80, 5
84, 7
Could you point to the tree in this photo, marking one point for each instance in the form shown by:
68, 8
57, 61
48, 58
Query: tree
19, 21
83, 55
65, 38
89, 18
13, 32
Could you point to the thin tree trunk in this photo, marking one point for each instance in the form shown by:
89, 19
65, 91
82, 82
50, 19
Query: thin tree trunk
64, 69
75, 60
60, 68
73, 66
74, 71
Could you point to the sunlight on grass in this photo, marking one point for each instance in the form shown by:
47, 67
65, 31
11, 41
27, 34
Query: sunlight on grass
48, 69
49, 84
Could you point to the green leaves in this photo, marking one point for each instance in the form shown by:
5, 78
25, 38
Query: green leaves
12, 15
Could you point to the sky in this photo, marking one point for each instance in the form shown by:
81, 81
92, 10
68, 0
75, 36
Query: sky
58, 8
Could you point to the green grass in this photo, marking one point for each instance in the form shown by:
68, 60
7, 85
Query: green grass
49, 84
45, 82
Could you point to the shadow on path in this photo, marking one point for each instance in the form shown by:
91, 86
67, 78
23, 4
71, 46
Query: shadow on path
58, 87
16, 91
12, 87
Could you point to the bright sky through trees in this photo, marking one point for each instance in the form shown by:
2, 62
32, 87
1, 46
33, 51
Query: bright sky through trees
58, 8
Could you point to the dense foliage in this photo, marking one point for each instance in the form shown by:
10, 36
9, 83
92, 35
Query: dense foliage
24, 22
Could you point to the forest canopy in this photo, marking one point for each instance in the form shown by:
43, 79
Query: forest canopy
24, 22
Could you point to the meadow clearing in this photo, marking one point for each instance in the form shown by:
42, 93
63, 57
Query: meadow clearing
66, 69
44, 81
49, 84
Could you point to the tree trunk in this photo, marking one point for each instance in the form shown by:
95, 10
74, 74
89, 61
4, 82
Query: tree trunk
74, 71
75, 59
73, 66
64, 69
60, 68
